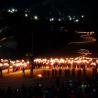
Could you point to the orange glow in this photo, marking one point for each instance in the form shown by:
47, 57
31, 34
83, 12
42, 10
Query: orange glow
40, 75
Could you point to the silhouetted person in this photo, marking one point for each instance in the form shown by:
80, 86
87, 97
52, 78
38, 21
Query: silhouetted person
79, 72
23, 70
68, 72
94, 72
53, 72
73, 72
60, 72
84, 71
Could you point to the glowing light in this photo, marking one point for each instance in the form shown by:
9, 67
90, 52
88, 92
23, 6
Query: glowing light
77, 20
59, 19
74, 17
40, 75
36, 17
87, 38
5, 64
26, 15
13, 10
94, 64
27, 11
22, 60
51, 19
11, 66
82, 16
70, 18
49, 63
1, 64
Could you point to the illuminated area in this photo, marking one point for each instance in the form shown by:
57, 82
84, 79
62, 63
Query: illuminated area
66, 61
36, 17
77, 20
16, 65
40, 64
51, 19
82, 16
12, 10
48, 49
39, 75
88, 37
59, 19
69, 18
26, 15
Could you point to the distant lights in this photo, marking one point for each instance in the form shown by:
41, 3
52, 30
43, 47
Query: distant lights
36, 17
70, 18
51, 19
26, 15
77, 20
59, 19
13, 10
27, 11
82, 16
39, 75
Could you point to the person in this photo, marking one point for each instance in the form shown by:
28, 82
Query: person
73, 71
65, 71
84, 71
53, 72
60, 72
23, 69
94, 72
79, 72
68, 71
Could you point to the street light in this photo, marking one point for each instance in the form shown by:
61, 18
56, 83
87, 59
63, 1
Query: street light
35, 17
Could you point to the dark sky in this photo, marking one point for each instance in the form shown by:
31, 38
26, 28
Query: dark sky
88, 6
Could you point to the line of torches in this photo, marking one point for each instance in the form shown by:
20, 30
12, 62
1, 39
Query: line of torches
67, 61
5, 63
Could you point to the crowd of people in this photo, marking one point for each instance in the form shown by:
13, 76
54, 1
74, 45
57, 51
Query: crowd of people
58, 89
57, 85
67, 72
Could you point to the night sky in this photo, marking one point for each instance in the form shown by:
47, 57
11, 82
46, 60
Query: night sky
80, 5
87, 7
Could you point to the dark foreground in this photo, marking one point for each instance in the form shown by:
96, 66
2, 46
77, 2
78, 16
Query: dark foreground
51, 88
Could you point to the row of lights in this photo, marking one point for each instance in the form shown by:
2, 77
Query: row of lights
78, 61
12, 10
22, 63
5, 63
70, 18
51, 19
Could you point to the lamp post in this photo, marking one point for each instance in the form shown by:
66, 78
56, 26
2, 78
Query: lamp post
31, 57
